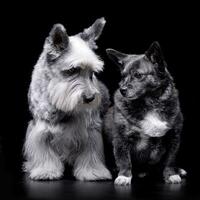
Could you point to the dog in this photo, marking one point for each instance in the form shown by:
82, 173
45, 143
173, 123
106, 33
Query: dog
145, 122
67, 103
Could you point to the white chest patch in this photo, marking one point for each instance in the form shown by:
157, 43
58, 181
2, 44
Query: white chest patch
153, 126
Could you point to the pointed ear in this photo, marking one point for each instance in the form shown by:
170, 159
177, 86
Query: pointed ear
92, 33
117, 57
59, 37
58, 41
154, 53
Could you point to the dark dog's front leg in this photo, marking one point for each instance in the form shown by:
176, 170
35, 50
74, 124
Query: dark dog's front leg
123, 162
170, 172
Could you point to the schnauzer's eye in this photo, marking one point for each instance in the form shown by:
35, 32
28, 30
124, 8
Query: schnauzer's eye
72, 71
138, 75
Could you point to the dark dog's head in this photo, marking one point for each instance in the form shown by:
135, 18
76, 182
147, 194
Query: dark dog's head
141, 74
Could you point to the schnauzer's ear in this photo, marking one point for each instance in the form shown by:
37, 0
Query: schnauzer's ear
92, 33
154, 53
58, 41
59, 37
117, 57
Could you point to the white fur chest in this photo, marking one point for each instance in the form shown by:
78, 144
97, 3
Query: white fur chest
69, 138
153, 126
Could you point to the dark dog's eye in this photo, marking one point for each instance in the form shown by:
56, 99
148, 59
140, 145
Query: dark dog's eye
138, 75
71, 72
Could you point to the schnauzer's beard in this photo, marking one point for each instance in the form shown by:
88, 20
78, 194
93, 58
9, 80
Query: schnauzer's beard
67, 96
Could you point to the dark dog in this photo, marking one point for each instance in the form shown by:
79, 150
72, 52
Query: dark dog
145, 122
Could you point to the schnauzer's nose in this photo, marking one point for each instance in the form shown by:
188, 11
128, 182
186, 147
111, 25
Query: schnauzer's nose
88, 98
123, 90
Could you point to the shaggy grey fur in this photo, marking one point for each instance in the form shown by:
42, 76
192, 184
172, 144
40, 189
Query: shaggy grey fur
67, 103
145, 123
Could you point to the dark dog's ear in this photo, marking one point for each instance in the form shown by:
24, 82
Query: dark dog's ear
92, 33
154, 53
58, 41
117, 57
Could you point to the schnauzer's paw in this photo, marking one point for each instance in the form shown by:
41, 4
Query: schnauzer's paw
45, 174
174, 179
93, 174
123, 180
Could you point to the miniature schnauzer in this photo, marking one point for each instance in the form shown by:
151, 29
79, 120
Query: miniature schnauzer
145, 123
67, 103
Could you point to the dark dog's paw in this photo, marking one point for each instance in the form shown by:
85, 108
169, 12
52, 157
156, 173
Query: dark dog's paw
123, 180
173, 179
182, 172
173, 175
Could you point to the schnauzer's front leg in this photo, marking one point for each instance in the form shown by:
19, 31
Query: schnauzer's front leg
89, 165
123, 162
42, 162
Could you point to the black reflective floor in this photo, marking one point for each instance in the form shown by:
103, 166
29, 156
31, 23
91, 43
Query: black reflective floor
20, 187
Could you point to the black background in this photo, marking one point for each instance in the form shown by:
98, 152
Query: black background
131, 27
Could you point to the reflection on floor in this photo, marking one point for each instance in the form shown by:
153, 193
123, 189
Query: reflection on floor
21, 187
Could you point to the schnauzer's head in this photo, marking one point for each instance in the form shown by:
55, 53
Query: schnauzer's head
70, 65
141, 74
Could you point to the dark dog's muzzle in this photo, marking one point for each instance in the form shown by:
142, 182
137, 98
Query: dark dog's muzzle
123, 91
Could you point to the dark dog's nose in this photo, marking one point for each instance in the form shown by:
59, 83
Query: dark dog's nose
123, 90
88, 98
